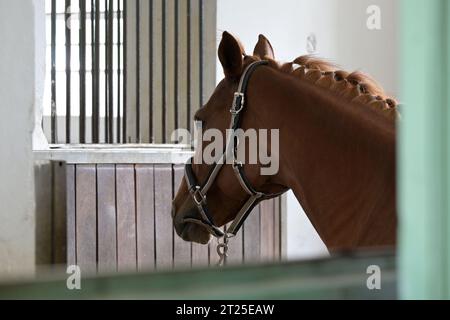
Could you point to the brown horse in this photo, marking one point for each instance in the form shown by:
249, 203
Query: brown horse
337, 147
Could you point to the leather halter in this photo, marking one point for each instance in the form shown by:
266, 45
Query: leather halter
199, 192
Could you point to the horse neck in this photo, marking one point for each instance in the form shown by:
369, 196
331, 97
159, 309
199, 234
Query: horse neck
337, 157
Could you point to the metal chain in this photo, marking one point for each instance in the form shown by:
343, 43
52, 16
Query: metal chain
222, 249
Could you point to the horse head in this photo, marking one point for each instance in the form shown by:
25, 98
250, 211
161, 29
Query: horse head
231, 191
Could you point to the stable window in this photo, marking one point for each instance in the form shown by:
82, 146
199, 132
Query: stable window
126, 71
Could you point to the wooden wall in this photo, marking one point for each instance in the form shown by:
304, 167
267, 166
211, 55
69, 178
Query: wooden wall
119, 219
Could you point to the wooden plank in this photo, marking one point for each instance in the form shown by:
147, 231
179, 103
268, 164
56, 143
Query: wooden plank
182, 68
182, 249
158, 69
267, 231
209, 47
283, 227
86, 218
126, 220
277, 229
163, 218
200, 254
170, 62
251, 234
71, 214
194, 63
107, 232
43, 179
144, 83
145, 215
130, 65
59, 214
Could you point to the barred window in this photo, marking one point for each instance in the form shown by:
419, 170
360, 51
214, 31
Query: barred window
126, 71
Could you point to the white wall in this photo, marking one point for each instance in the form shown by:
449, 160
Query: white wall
342, 37
17, 100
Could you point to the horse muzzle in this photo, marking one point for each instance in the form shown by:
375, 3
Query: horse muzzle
187, 227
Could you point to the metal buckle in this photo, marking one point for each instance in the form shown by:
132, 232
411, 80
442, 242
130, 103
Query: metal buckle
237, 164
198, 196
238, 101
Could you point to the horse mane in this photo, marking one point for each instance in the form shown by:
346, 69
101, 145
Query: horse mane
355, 86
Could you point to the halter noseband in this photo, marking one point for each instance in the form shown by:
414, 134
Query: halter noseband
199, 192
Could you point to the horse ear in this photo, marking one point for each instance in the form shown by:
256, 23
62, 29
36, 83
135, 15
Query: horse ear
231, 56
264, 49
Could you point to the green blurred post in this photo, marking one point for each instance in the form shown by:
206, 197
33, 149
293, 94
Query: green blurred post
424, 151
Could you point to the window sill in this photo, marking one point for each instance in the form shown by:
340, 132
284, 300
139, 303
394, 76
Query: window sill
116, 154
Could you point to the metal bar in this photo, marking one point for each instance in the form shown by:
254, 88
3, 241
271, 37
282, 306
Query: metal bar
97, 70
92, 16
119, 21
53, 74
188, 80
182, 64
138, 75
106, 71
144, 47
209, 40
151, 77
164, 76
194, 59
176, 69
82, 36
68, 41
201, 57
110, 35
157, 71
170, 67
124, 14
96, 107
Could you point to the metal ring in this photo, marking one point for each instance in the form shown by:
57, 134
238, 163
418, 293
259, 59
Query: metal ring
237, 95
198, 194
222, 249
238, 164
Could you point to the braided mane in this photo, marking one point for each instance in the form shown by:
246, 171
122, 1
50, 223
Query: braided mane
355, 86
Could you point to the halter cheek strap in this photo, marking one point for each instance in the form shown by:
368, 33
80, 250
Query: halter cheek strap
199, 192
